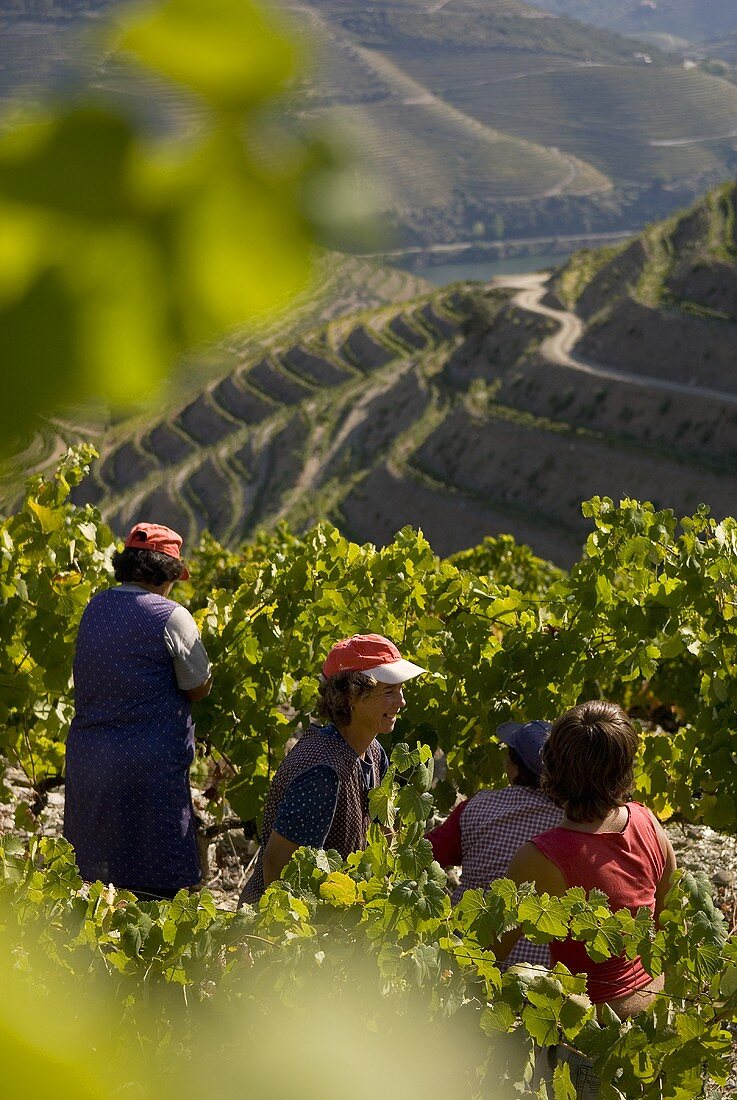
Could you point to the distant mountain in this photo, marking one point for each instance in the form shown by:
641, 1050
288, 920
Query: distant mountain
724, 48
472, 121
467, 410
688, 20
491, 118
50, 9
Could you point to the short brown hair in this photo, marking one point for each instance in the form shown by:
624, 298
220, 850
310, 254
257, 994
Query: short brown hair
339, 692
588, 758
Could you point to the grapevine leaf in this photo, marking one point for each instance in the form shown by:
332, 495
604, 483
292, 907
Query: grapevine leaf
135, 930
425, 960
486, 916
414, 858
422, 777
541, 1023
413, 805
382, 800
563, 1087
544, 918
498, 1017
339, 889
728, 981
401, 757
574, 1013
49, 519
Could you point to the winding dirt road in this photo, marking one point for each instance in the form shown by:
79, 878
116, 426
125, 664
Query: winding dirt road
558, 348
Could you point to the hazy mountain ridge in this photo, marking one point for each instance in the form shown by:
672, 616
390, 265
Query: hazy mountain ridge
42, 9
476, 120
465, 25
717, 56
500, 120
690, 20
724, 47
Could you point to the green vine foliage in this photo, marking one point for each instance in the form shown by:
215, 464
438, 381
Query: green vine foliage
377, 935
53, 558
506, 561
646, 617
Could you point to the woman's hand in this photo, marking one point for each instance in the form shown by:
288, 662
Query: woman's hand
195, 694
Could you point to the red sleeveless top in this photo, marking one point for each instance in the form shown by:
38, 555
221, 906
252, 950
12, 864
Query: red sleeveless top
627, 867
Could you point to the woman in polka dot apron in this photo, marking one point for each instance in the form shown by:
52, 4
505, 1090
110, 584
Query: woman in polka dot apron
138, 667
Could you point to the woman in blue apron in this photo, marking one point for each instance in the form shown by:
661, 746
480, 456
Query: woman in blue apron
139, 665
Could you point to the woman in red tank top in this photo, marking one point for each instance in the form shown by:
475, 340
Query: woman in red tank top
603, 842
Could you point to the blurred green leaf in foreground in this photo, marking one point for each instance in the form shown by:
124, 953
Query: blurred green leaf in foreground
119, 249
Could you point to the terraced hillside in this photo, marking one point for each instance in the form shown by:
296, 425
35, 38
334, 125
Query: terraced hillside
412, 127
591, 99
39, 56
342, 285
466, 410
724, 47
666, 304
283, 434
717, 56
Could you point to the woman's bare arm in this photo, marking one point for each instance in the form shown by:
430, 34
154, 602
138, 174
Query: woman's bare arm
530, 865
277, 853
670, 865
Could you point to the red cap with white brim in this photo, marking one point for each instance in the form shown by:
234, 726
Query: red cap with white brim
372, 654
154, 536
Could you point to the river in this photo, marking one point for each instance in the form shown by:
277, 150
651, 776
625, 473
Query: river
485, 270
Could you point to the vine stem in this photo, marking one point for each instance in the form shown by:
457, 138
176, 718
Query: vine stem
42, 792
31, 757
261, 939
226, 826
249, 866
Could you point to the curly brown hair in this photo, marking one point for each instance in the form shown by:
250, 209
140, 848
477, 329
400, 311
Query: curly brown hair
337, 695
588, 759
146, 566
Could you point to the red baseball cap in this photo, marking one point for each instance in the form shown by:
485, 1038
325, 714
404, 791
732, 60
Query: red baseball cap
154, 536
370, 653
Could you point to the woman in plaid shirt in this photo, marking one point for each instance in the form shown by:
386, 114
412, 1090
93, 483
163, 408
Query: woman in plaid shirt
483, 833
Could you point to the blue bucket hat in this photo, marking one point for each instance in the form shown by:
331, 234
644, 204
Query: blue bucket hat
527, 740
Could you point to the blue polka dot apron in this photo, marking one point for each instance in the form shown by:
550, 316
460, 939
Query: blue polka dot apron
128, 809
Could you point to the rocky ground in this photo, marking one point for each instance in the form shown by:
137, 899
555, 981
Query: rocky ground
226, 858
229, 856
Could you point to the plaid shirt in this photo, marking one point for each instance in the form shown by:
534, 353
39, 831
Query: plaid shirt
484, 833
